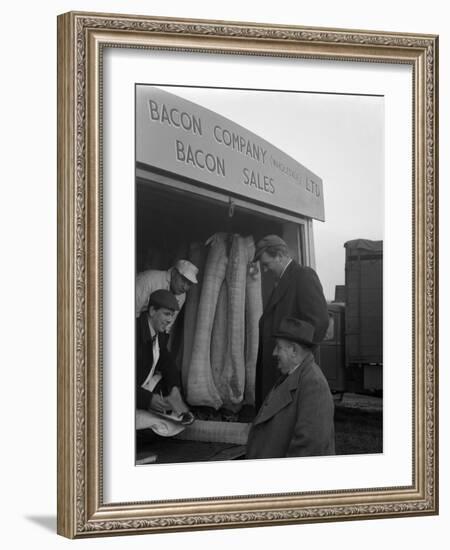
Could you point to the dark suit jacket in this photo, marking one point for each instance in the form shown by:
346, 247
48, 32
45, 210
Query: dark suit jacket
144, 360
296, 419
298, 294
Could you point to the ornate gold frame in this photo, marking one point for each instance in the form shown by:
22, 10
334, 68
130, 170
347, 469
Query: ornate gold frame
81, 37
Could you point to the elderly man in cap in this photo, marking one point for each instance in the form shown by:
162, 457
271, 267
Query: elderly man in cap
178, 279
297, 293
296, 418
157, 377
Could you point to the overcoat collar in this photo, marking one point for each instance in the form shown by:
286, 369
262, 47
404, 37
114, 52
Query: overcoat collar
282, 287
282, 395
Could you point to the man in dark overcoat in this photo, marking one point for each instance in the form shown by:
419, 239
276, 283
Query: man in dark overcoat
296, 418
297, 293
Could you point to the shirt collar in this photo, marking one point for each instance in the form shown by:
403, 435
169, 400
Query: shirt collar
285, 267
152, 330
306, 356
293, 369
283, 377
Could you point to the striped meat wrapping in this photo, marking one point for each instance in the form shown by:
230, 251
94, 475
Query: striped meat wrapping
201, 390
197, 255
233, 373
219, 338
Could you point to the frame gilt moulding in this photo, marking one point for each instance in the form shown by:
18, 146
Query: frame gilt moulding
82, 39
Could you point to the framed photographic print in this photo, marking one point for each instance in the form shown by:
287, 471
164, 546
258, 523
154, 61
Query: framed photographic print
247, 274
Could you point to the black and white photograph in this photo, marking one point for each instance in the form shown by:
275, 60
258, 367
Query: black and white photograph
259, 230
223, 236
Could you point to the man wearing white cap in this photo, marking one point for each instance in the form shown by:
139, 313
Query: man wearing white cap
178, 279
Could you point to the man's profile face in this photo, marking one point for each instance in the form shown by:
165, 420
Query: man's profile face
272, 264
285, 355
178, 283
160, 318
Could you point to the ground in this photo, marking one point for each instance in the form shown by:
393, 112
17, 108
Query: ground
358, 424
358, 428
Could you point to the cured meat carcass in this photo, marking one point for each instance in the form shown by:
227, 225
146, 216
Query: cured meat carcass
201, 389
233, 373
197, 255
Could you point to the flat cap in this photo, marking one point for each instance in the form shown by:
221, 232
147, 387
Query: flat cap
163, 298
267, 242
188, 270
295, 330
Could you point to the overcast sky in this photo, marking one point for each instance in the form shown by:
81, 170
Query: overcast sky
338, 137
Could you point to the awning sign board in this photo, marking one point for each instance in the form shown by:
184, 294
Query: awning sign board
185, 139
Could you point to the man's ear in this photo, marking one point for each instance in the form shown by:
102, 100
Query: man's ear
296, 348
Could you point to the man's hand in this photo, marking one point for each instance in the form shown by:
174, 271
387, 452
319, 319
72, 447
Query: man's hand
176, 402
159, 404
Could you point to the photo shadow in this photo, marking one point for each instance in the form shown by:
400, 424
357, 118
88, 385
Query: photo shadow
46, 522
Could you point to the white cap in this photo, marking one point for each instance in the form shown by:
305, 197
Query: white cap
188, 270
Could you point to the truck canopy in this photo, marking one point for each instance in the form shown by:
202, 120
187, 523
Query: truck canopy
364, 244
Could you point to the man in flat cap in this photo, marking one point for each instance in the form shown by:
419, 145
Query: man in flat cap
178, 279
297, 293
157, 377
296, 418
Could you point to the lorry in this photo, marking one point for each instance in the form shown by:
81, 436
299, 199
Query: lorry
351, 355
